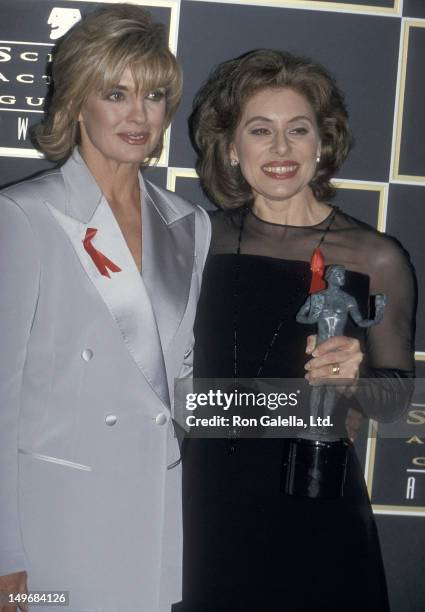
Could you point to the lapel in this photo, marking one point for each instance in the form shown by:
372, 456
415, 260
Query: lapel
168, 257
124, 293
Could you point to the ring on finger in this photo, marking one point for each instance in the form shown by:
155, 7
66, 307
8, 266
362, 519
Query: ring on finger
335, 369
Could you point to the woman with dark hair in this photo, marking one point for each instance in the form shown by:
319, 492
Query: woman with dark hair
271, 130
98, 290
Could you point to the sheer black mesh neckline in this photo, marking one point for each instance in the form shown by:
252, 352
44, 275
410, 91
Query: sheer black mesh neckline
352, 243
324, 222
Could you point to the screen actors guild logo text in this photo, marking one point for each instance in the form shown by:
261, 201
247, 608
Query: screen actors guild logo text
24, 74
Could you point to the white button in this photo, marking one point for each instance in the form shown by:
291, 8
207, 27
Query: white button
161, 419
111, 419
87, 354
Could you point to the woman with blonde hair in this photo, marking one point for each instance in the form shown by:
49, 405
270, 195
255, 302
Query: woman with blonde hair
99, 284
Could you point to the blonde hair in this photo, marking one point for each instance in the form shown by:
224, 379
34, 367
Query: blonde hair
92, 57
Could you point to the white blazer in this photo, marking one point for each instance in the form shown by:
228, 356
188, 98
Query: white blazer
89, 462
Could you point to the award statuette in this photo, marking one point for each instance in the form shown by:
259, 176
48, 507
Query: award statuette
317, 458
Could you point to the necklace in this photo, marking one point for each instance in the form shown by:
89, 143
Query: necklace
317, 265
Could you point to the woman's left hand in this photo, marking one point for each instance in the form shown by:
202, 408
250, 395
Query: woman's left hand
338, 357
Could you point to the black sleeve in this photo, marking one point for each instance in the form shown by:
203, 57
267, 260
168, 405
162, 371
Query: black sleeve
387, 373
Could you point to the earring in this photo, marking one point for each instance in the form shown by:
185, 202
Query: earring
317, 159
234, 163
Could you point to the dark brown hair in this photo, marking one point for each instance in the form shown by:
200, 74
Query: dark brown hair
219, 104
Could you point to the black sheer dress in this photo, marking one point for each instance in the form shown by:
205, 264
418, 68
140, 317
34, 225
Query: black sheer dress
248, 547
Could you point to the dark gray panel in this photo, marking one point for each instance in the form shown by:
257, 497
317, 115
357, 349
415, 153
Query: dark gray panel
412, 150
414, 8
359, 203
390, 477
190, 189
156, 175
360, 50
403, 548
420, 369
361, 440
14, 169
405, 221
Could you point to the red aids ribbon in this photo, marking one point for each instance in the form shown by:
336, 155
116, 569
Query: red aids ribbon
317, 267
100, 260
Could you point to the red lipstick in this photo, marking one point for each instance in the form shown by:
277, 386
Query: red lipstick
134, 138
280, 170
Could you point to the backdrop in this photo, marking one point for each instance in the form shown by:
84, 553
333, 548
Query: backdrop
376, 50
